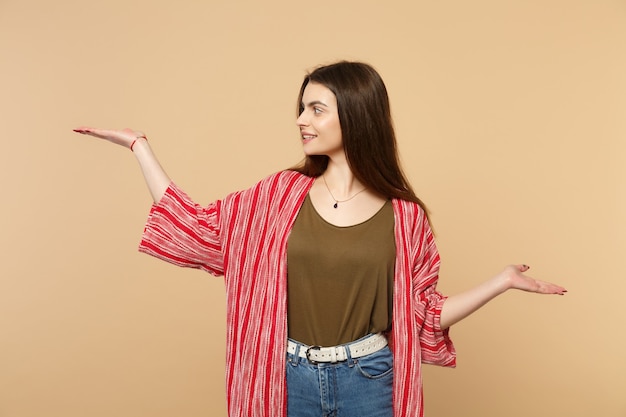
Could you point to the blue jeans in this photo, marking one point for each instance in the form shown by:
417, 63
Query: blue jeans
361, 387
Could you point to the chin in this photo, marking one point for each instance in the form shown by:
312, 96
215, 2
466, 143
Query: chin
311, 151
308, 151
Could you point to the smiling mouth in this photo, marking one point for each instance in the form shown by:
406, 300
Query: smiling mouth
308, 138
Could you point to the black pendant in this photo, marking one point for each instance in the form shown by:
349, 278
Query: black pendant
335, 205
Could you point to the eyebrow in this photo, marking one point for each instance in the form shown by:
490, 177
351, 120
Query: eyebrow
315, 103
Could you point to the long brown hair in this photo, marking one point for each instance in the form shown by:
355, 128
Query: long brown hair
369, 140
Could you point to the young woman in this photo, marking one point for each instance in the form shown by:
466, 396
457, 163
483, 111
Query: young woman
330, 267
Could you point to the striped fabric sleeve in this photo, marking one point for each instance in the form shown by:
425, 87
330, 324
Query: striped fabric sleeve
184, 233
436, 345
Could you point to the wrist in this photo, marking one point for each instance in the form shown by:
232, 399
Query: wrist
502, 283
137, 141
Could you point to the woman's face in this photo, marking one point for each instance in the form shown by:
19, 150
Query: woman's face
319, 122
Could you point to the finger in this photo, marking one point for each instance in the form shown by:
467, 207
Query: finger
522, 267
549, 288
90, 131
82, 129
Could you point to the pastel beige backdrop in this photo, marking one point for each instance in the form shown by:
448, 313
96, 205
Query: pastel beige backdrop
511, 122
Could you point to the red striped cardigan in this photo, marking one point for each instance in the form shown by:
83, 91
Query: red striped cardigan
244, 238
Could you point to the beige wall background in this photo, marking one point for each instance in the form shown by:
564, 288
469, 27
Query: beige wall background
510, 117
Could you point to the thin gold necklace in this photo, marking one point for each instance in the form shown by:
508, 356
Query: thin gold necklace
333, 197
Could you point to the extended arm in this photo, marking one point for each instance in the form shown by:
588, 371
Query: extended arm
457, 307
155, 176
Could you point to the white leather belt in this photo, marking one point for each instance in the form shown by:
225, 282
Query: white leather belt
333, 354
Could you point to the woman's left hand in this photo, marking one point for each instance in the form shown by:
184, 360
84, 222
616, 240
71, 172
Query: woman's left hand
459, 306
514, 277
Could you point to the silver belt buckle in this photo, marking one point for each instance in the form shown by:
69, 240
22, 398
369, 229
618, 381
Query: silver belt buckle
308, 354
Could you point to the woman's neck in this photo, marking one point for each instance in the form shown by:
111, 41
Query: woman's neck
341, 179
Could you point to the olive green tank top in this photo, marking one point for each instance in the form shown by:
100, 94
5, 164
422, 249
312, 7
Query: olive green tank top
340, 279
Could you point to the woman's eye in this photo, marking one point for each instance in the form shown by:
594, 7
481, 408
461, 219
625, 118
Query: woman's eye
317, 110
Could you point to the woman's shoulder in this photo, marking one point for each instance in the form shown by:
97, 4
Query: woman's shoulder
287, 174
275, 193
410, 208
277, 183
285, 178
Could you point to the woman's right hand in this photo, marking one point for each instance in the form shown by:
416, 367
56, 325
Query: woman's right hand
125, 137
156, 178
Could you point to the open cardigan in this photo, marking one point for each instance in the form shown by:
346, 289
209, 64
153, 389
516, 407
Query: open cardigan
244, 238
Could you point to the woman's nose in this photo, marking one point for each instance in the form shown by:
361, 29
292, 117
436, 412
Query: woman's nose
302, 119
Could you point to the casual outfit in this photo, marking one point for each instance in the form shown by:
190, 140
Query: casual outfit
244, 238
339, 290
